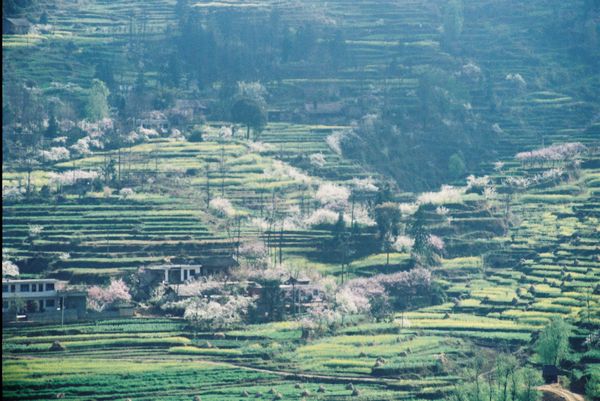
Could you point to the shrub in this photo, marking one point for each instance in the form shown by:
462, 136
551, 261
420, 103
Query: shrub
456, 165
126, 193
57, 346
317, 160
197, 135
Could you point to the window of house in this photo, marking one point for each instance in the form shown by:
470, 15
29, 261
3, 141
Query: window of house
50, 303
24, 288
4, 287
4, 304
192, 273
34, 287
41, 287
49, 286
13, 288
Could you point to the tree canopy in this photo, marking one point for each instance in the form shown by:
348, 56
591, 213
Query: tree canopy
250, 113
552, 345
97, 103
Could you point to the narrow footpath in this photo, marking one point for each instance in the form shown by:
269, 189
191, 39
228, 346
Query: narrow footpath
557, 392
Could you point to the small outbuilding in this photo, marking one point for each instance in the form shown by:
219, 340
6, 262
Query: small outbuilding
16, 26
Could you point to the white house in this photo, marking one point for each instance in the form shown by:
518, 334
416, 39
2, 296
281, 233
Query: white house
40, 295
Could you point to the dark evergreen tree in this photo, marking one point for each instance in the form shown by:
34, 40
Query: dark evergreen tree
250, 113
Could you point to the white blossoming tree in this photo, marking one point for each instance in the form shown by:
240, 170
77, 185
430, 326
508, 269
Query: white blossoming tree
9, 269
332, 196
213, 314
102, 298
221, 207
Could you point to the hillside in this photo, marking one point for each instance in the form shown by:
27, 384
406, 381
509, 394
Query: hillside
496, 85
431, 168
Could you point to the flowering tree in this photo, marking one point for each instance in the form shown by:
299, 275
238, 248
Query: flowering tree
403, 243
72, 177
436, 242
12, 194
81, 147
221, 207
333, 196
477, 184
334, 141
101, 298
254, 252
259, 147
35, 230
364, 185
322, 217
317, 160
417, 278
517, 79
9, 269
252, 90
209, 314
402, 287
126, 193
408, 209
447, 194
554, 153
320, 320
370, 297
55, 154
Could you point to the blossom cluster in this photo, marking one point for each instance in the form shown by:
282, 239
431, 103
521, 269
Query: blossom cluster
333, 196
552, 153
100, 298
334, 141
525, 182
126, 193
71, 177
221, 207
9, 269
55, 154
217, 314
447, 194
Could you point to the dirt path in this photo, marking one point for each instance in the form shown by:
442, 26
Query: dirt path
320, 378
317, 377
560, 392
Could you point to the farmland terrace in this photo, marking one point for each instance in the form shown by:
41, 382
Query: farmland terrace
517, 253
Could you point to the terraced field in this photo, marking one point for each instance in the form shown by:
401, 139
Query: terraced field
547, 265
170, 218
509, 263
153, 364
378, 36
